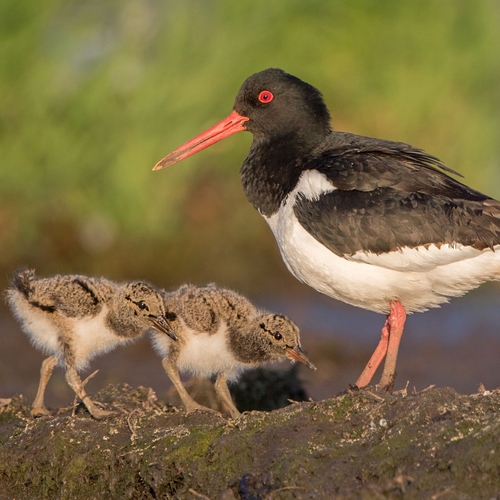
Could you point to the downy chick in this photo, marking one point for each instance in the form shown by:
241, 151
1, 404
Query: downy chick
74, 318
220, 333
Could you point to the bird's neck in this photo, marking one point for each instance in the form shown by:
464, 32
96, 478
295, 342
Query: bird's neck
247, 347
123, 327
271, 171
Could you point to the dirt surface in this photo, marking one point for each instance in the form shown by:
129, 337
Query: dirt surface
361, 444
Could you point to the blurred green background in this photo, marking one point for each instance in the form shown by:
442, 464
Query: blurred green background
93, 94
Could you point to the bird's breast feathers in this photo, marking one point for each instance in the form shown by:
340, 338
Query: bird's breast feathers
200, 353
93, 336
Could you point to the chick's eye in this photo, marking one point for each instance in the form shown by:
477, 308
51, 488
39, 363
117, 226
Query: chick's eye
278, 336
266, 96
142, 305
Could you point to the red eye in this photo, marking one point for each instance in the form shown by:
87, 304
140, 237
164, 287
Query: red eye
266, 96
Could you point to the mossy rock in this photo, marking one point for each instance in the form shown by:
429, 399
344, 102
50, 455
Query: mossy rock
360, 444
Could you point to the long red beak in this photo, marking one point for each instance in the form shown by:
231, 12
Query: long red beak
229, 126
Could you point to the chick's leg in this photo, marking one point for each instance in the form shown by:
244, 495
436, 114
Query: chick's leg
38, 408
173, 374
75, 383
223, 391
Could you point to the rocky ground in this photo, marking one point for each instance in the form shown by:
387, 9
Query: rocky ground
360, 444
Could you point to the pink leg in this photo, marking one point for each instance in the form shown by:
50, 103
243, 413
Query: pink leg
397, 320
387, 346
377, 357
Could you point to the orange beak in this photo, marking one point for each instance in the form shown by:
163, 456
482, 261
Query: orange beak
297, 354
229, 126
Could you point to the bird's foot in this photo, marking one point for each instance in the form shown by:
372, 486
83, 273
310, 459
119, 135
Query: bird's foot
191, 407
6, 401
99, 414
40, 411
387, 382
235, 414
95, 411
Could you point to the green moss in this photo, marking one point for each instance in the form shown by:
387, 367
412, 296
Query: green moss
379, 451
195, 445
343, 408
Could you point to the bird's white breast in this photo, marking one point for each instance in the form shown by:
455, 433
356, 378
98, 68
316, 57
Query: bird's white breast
92, 336
202, 354
420, 278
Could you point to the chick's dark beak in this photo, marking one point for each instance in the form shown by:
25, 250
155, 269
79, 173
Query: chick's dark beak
297, 354
162, 325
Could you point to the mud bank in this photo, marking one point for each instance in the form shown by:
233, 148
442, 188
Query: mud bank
361, 444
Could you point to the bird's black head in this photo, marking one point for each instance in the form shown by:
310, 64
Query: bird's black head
276, 107
278, 104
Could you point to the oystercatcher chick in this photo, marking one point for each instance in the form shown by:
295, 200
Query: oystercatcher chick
75, 318
220, 333
374, 223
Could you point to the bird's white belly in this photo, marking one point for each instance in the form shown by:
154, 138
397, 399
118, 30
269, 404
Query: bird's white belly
203, 354
92, 336
420, 278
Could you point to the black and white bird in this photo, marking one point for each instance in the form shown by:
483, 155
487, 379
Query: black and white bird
220, 333
74, 318
374, 223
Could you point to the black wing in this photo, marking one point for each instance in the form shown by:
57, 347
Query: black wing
386, 219
353, 162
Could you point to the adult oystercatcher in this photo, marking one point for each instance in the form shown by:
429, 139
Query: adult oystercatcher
374, 223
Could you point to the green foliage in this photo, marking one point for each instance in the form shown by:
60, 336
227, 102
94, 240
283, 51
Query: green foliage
92, 94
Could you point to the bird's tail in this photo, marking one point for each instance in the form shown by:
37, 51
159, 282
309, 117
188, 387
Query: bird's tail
22, 280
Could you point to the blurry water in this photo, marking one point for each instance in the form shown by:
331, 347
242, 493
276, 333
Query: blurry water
452, 322
457, 345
